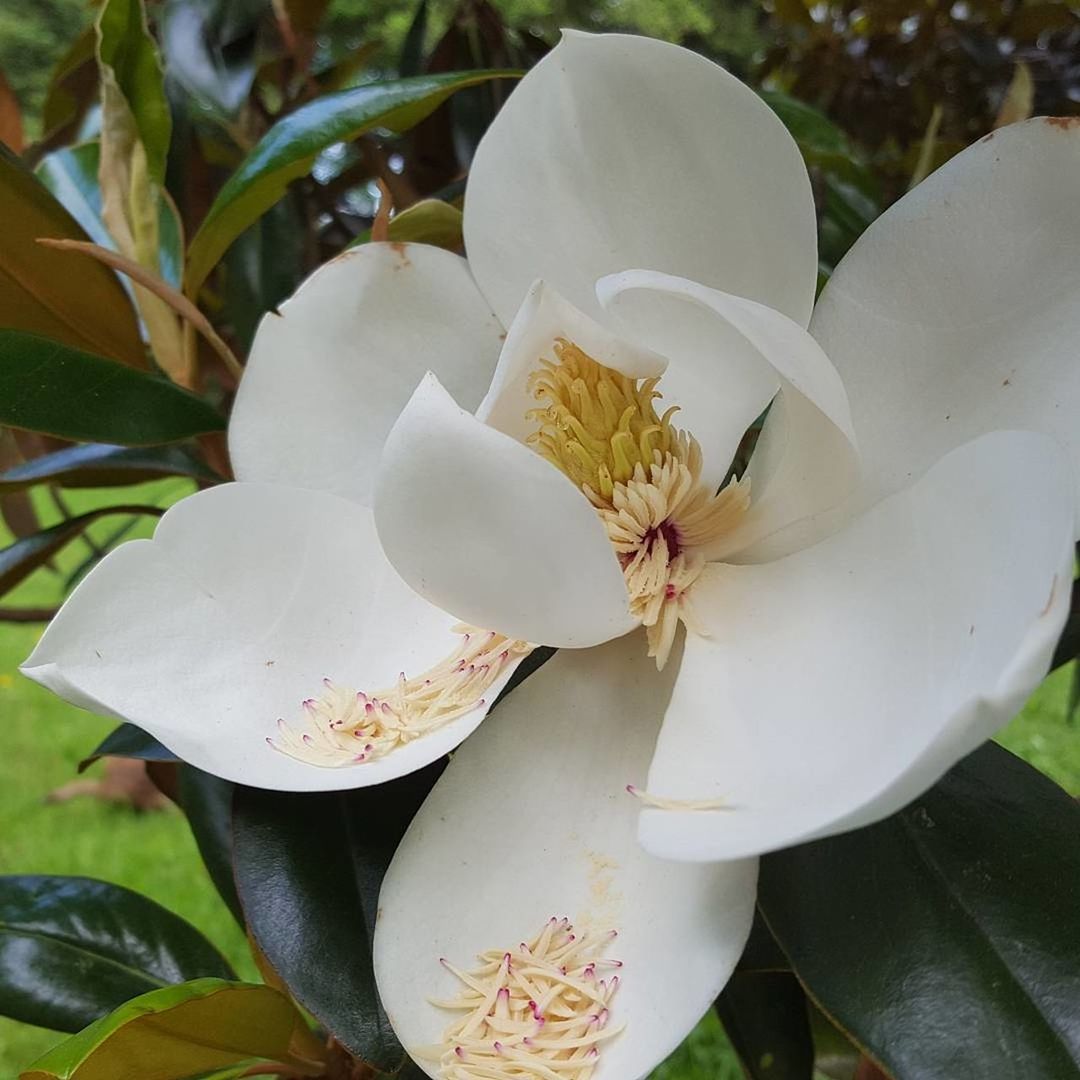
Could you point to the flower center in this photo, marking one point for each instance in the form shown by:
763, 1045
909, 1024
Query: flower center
642, 474
343, 726
539, 1010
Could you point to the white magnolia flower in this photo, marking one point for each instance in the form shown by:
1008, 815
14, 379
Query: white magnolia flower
856, 620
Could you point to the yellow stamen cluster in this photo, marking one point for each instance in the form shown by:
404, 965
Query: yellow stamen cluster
536, 1012
642, 474
344, 726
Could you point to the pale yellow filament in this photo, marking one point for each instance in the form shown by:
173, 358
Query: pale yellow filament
540, 1010
343, 726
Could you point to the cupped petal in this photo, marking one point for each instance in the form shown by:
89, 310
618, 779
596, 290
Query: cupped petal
543, 319
619, 151
728, 357
839, 683
247, 598
958, 311
330, 371
484, 527
531, 821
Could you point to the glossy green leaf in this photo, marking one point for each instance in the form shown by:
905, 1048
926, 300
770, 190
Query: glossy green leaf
75, 301
289, 148
946, 939
71, 174
129, 741
53, 388
207, 803
72, 949
765, 1016
127, 51
182, 1032
308, 870
20, 559
101, 465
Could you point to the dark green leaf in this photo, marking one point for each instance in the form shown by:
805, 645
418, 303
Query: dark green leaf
185, 1031
44, 291
289, 148
19, 560
101, 465
207, 802
762, 952
412, 49
308, 870
131, 742
946, 939
1068, 646
53, 388
262, 269
765, 1017
822, 143
72, 949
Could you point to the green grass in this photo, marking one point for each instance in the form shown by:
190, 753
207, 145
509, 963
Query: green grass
153, 853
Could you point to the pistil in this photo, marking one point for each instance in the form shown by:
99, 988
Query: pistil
642, 475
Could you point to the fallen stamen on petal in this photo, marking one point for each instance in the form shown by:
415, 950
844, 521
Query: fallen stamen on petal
351, 727
642, 475
536, 1011
660, 802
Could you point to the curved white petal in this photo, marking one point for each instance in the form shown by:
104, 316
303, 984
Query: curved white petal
531, 820
728, 356
330, 372
487, 529
248, 596
958, 311
544, 318
839, 683
618, 151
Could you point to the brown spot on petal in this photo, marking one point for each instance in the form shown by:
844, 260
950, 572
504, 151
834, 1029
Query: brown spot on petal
402, 251
1064, 123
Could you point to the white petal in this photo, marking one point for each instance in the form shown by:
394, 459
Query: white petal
839, 683
487, 529
728, 355
618, 151
544, 318
248, 596
531, 820
330, 372
958, 311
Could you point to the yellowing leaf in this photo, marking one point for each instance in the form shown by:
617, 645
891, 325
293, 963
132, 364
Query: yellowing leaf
289, 148
185, 1031
135, 129
42, 292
